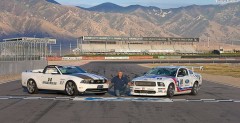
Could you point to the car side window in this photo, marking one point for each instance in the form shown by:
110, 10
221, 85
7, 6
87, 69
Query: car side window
182, 72
185, 72
51, 70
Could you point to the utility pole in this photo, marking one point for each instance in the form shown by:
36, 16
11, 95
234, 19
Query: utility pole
208, 41
50, 49
5, 49
70, 47
77, 43
45, 50
60, 48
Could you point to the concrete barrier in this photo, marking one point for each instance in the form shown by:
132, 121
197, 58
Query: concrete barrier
93, 58
17, 67
54, 58
169, 57
71, 58
140, 57
117, 58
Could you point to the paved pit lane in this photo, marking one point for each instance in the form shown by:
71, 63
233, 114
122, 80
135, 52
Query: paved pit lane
214, 103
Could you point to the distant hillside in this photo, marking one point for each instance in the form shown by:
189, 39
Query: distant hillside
47, 18
113, 8
52, 1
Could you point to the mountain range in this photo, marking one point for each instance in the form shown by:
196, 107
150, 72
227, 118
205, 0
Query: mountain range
48, 18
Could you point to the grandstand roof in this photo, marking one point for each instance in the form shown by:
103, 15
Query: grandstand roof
30, 39
119, 38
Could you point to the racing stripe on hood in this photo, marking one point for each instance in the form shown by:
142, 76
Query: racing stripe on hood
94, 75
153, 77
89, 76
83, 76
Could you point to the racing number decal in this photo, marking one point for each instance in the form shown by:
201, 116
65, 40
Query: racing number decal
62, 81
181, 82
49, 82
49, 79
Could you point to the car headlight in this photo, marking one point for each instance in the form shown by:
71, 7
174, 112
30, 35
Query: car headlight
83, 81
105, 81
87, 81
161, 84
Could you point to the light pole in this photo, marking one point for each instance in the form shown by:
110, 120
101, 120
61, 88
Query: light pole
70, 47
208, 41
50, 49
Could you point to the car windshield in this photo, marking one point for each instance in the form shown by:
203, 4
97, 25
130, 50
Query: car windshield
163, 71
71, 69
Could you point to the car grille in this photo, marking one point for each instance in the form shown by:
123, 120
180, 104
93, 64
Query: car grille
142, 83
98, 82
144, 91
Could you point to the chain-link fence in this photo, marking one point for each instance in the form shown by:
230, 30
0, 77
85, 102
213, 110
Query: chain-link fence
21, 54
62, 49
19, 49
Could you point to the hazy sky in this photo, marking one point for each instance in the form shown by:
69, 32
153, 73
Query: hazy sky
158, 3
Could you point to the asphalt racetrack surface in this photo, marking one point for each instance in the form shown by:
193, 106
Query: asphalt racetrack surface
215, 103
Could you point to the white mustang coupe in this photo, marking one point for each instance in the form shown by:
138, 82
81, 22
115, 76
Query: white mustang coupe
71, 79
167, 81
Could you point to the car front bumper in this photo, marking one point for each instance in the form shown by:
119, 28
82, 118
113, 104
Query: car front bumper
93, 88
146, 91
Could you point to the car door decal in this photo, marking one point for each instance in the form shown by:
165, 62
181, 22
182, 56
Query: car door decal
62, 81
178, 84
49, 82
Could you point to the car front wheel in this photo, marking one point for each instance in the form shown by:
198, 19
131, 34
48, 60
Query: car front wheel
71, 89
171, 90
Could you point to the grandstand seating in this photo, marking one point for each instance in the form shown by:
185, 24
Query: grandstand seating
113, 46
138, 48
185, 49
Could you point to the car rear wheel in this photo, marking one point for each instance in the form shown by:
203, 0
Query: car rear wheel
171, 90
71, 89
195, 89
32, 87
